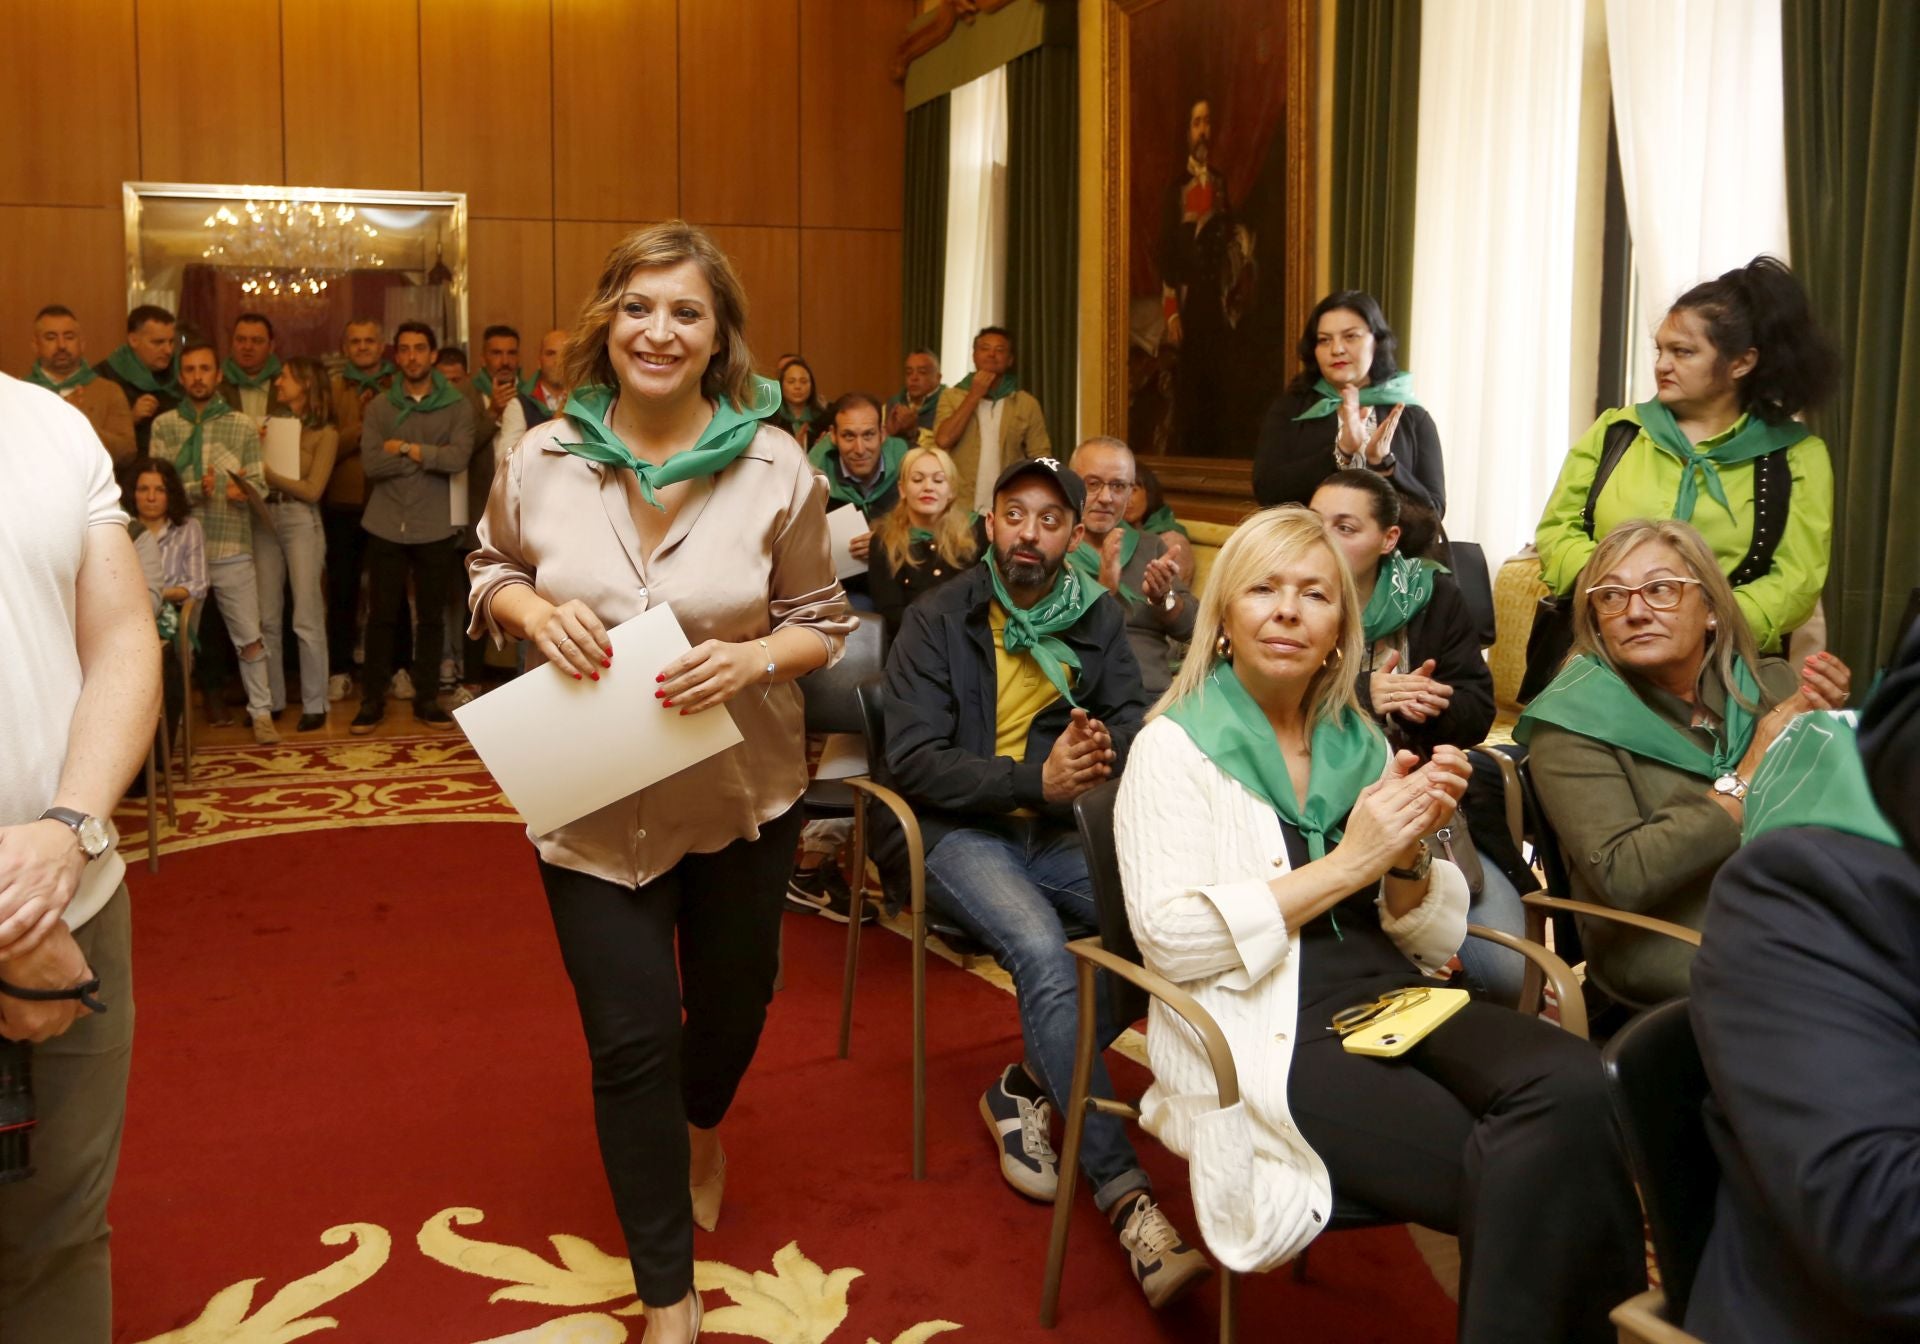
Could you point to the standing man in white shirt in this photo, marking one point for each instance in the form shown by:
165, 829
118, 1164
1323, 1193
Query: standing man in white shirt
81, 683
987, 421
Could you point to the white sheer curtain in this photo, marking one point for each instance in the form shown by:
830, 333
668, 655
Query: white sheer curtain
975, 293
1703, 152
1493, 253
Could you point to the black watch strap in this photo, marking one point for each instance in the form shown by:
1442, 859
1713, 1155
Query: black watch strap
85, 991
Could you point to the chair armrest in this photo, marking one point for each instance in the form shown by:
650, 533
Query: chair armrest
1511, 794
1647, 923
910, 826
1643, 1320
1566, 988
1225, 1076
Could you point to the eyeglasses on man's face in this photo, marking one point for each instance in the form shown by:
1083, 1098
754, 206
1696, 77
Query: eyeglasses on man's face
1610, 599
1096, 486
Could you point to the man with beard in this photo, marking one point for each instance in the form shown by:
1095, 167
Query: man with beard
1196, 225
1011, 691
60, 366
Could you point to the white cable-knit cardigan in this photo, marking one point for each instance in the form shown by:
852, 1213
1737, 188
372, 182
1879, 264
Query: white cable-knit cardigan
1197, 849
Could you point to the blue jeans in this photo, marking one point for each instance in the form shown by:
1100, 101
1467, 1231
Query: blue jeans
295, 550
1495, 971
1023, 891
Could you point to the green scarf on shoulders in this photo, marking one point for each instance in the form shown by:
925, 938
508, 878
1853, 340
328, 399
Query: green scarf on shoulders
442, 395
80, 377
1037, 629
131, 371
1401, 590
1752, 438
1009, 384
1349, 753
1396, 391
1162, 520
236, 375
1812, 775
1591, 699
725, 437
825, 457
190, 461
1086, 559
369, 381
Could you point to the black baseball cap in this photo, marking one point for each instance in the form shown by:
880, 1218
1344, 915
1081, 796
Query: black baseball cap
1066, 481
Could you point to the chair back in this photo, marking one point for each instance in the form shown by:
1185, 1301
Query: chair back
1656, 1084
828, 696
871, 696
1093, 811
1469, 564
1553, 866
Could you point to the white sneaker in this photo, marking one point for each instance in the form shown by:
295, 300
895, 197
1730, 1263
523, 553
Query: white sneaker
263, 730
402, 688
339, 687
459, 696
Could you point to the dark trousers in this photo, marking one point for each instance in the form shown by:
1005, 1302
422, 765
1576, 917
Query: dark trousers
1495, 1128
653, 1074
346, 566
389, 564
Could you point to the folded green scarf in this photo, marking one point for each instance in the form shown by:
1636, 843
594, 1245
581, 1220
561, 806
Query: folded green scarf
1812, 775
725, 437
443, 395
1086, 559
1036, 629
1753, 438
369, 381
1162, 520
1401, 591
1591, 699
825, 457
1396, 391
236, 375
189, 462
131, 371
80, 377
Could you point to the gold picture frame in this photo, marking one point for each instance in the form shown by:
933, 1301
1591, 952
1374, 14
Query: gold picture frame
1208, 489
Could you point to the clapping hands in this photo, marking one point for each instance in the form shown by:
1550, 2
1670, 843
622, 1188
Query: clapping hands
1082, 757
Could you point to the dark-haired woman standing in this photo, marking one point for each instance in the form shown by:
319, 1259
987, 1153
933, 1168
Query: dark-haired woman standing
1349, 406
1735, 360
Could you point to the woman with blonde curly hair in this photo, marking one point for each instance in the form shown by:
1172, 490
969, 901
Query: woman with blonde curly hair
924, 541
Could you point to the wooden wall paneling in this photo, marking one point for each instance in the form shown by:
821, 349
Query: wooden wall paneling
850, 309
739, 104
67, 103
853, 125
353, 93
486, 85
210, 91
509, 276
616, 151
71, 256
579, 251
768, 262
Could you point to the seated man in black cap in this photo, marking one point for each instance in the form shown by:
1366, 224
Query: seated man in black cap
1806, 1003
1011, 691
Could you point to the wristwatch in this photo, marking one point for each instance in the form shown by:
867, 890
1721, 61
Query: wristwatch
1418, 872
95, 837
1731, 786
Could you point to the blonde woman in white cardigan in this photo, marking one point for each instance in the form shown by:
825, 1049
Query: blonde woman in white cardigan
1277, 913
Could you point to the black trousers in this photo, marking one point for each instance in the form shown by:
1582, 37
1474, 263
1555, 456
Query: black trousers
653, 1073
346, 567
389, 563
1495, 1128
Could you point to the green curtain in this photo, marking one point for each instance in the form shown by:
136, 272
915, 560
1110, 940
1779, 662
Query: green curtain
1376, 98
923, 244
1043, 231
1853, 205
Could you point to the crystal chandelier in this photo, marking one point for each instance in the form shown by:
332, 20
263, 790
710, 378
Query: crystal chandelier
286, 248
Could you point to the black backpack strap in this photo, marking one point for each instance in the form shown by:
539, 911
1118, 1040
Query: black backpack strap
1620, 437
1772, 494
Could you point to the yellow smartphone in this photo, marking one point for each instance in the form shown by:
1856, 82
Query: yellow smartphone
1399, 1032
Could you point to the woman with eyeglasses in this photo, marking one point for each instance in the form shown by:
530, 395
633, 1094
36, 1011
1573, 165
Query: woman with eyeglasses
1270, 846
1642, 748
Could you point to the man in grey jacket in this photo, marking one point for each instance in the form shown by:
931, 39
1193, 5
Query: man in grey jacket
1132, 564
416, 437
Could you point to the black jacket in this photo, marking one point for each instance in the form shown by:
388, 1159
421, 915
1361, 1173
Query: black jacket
892, 589
142, 429
1294, 456
1444, 631
1806, 1004
941, 694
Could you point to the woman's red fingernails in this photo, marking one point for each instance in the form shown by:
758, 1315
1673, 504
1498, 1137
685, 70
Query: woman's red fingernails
595, 676
659, 695
609, 651
682, 712
669, 704
661, 677
576, 676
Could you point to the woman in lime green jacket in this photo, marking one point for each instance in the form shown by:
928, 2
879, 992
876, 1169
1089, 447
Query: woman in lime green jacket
1735, 359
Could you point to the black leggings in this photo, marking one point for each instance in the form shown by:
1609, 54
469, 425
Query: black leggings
652, 1074
1495, 1127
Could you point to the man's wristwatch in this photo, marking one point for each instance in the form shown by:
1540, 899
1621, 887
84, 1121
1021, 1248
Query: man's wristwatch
95, 836
1731, 786
1419, 871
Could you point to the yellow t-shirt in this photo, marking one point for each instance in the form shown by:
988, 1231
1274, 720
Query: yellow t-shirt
1022, 690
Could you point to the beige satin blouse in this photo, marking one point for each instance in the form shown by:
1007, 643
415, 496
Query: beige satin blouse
747, 555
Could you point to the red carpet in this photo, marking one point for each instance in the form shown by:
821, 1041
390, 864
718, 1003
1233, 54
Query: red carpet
365, 1029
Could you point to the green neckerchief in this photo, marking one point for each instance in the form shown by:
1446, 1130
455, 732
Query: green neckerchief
919, 534
905, 398
128, 366
1348, 754
369, 382
80, 377
1812, 775
806, 415
1036, 629
442, 395
234, 374
1591, 699
1396, 391
725, 437
1086, 559
1401, 590
1752, 438
1009, 384
189, 462
825, 457
1162, 520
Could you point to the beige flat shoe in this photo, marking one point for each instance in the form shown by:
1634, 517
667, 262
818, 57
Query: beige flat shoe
698, 1313
706, 1196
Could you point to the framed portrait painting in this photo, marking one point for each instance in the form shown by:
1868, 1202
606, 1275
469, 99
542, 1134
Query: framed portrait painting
1197, 229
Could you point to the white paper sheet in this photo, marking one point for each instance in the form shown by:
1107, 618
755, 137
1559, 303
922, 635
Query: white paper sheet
457, 499
562, 748
843, 525
283, 446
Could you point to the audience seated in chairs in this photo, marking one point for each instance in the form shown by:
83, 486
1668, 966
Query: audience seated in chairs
1642, 748
172, 551
1806, 1006
1010, 692
862, 468
802, 413
1422, 678
1270, 845
1148, 510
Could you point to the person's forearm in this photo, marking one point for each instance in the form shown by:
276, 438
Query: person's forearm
794, 652
1304, 894
950, 431
112, 724
1403, 894
516, 608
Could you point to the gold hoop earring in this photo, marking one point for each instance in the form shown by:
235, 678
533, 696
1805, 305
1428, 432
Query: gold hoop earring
1223, 647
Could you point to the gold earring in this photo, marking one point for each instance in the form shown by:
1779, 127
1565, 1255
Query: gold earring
1223, 647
